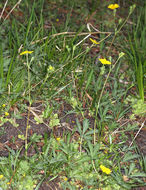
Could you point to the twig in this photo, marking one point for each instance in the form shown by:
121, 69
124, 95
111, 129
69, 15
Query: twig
12, 9
70, 33
37, 117
88, 27
3, 9
137, 134
115, 131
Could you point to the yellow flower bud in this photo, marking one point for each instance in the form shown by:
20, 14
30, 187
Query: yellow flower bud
105, 62
26, 52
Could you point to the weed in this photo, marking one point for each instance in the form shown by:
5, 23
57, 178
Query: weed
138, 106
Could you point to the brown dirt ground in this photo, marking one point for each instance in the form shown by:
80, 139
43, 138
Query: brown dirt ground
12, 133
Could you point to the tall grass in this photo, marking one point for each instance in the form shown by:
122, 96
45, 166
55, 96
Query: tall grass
137, 48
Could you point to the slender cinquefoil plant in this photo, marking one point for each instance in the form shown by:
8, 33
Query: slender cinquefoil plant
29, 96
106, 62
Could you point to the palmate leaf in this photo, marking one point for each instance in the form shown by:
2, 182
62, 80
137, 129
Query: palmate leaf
85, 125
79, 127
130, 156
47, 112
120, 181
3, 160
131, 168
93, 150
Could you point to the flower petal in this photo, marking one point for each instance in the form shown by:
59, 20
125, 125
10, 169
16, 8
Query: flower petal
94, 41
1, 176
26, 52
105, 62
105, 169
6, 114
113, 6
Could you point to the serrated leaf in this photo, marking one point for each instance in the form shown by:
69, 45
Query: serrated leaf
131, 168
85, 125
89, 79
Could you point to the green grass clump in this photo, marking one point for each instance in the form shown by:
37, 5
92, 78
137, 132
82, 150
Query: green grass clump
137, 50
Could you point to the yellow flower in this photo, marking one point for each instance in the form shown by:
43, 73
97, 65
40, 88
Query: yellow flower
105, 62
4, 105
65, 179
57, 20
1, 176
113, 6
26, 52
58, 139
93, 41
105, 169
6, 114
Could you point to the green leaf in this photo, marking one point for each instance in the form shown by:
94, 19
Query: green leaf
79, 126
54, 121
138, 175
85, 125
130, 156
89, 79
24, 165
47, 112
132, 166
140, 80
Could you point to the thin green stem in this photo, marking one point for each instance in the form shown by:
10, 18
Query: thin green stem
116, 32
29, 98
94, 166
